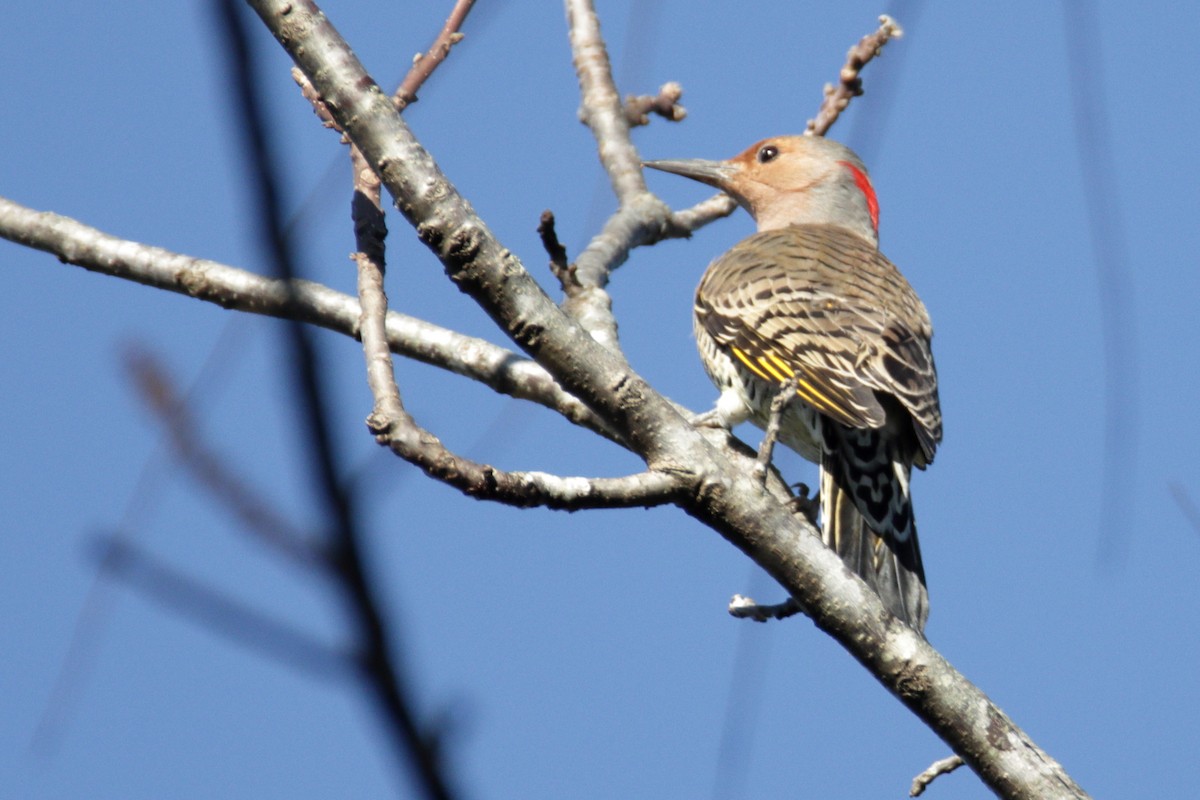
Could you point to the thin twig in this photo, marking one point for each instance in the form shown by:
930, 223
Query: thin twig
564, 271
684, 223
942, 767
600, 103
742, 607
849, 86
424, 64
665, 104
641, 217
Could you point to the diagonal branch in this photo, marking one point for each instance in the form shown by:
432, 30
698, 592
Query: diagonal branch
728, 500
395, 428
641, 216
600, 107
424, 65
849, 86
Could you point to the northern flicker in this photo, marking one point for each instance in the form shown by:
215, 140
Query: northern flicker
810, 296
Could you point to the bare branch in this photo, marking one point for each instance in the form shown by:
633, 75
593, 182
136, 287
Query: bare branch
229, 287
600, 106
369, 233
217, 612
397, 430
719, 490
665, 104
564, 271
837, 98
730, 501
742, 607
424, 65
641, 217
254, 513
641, 221
943, 767
685, 223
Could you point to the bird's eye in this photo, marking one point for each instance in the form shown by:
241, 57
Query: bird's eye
767, 153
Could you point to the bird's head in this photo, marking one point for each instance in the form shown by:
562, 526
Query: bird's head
792, 180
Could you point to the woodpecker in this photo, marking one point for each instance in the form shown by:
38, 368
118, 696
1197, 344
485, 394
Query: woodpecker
810, 297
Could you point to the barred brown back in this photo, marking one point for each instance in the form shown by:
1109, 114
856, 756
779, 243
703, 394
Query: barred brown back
822, 304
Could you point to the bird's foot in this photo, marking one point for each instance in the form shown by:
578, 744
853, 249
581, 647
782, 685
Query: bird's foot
787, 392
713, 418
802, 503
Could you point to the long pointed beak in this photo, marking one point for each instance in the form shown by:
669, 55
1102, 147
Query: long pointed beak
714, 173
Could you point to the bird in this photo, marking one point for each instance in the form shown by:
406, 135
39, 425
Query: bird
809, 298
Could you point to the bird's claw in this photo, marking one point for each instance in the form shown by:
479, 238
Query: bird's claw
709, 419
802, 503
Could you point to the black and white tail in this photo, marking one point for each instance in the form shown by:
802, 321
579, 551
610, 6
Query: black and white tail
868, 520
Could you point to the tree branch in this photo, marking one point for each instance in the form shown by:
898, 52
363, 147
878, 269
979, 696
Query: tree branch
741, 607
665, 104
600, 103
731, 502
559, 266
503, 371
395, 428
424, 65
837, 98
641, 216
941, 767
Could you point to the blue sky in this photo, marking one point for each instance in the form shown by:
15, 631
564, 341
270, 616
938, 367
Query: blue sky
589, 655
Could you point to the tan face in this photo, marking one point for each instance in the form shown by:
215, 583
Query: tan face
782, 165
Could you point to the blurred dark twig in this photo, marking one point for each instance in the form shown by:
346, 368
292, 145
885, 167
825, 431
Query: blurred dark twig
1185, 503
1085, 63
255, 515
378, 668
233, 619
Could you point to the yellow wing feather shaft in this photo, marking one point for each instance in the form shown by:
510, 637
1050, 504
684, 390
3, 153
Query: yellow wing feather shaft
771, 367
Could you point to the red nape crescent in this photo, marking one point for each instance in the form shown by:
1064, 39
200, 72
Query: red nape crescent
864, 184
